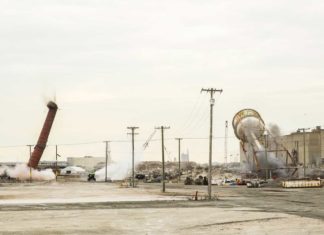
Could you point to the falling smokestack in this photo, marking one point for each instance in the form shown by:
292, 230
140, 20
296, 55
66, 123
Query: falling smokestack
42, 140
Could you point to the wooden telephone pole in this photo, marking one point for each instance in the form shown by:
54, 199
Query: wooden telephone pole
179, 155
30, 169
212, 91
162, 128
107, 153
133, 128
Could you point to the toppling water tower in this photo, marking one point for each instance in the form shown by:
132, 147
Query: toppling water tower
248, 124
249, 128
256, 146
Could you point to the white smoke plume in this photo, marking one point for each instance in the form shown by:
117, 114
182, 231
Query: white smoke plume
22, 172
115, 171
274, 130
253, 134
118, 170
272, 162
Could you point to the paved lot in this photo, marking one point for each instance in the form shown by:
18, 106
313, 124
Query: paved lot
83, 208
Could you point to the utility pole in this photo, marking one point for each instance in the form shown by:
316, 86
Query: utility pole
320, 141
56, 162
133, 128
30, 169
304, 137
297, 149
266, 154
107, 150
179, 152
162, 128
56, 155
212, 102
226, 141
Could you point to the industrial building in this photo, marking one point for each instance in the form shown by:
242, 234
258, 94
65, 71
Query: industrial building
296, 148
268, 154
306, 146
88, 163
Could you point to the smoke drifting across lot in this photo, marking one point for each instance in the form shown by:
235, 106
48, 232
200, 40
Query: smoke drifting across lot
115, 171
22, 172
253, 136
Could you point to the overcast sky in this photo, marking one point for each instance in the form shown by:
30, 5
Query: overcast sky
112, 64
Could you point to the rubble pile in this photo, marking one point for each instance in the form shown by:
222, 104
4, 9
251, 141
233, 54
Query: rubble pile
191, 173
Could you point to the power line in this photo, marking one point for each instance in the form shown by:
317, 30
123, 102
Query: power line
12, 146
195, 112
199, 121
118, 141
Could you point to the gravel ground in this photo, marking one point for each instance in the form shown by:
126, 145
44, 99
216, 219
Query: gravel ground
99, 208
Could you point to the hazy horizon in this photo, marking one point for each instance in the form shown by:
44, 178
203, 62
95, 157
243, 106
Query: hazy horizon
115, 64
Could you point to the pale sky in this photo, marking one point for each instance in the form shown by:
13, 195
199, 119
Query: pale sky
113, 64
